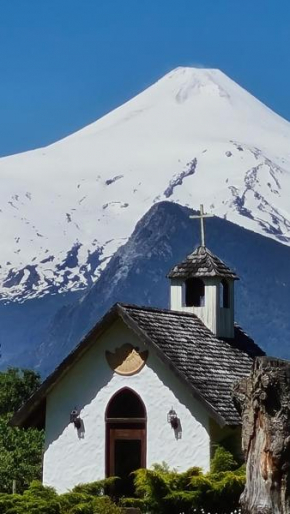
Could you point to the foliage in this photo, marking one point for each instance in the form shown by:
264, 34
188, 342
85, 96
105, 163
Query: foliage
161, 490
87, 499
16, 386
95, 488
21, 450
222, 460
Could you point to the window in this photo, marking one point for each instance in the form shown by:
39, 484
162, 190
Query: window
194, 292
224, 294
126, 404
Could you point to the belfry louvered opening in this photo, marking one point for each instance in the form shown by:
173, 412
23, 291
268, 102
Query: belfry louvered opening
224, 294
194, 292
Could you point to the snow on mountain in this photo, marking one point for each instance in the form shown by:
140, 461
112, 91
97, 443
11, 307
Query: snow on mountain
193, 137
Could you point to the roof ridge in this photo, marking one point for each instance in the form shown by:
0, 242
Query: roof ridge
215, 261
163, 310
159, 309
191, 315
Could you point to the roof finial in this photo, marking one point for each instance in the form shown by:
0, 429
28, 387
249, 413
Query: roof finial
201, 216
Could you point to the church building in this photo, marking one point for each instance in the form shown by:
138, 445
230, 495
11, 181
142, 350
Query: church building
147, 385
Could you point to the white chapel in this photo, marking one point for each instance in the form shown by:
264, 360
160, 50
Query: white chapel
147, 385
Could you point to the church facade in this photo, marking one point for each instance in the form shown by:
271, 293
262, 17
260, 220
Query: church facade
147, 385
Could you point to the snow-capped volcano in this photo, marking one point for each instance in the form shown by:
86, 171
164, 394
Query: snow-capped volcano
193, 137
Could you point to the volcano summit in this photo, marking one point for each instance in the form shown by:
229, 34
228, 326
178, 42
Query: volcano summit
193, 137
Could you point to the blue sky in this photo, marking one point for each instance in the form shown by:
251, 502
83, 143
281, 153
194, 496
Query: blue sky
65, 63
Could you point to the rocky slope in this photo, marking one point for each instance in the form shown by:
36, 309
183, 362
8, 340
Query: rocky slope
136, 274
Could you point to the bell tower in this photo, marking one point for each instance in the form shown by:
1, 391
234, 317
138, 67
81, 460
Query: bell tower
202, 284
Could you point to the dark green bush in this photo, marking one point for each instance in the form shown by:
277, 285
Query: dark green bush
223, 460
20, 450
83, 499
161, 490
95, 488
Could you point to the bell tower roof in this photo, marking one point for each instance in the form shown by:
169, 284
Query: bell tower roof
200, 264
204, 285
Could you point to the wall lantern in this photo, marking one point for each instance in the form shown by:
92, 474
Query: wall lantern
75, 419
172, 419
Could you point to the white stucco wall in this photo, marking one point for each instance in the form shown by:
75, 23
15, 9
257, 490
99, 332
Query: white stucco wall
89, 386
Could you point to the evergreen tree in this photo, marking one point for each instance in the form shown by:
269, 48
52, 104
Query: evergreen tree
20, 450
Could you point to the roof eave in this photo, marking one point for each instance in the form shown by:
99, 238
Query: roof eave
184, 276
33, 403
36, 401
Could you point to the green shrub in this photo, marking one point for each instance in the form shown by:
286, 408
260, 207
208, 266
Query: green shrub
20, 450
95, 488
16, 504
84, 499
37, 490
160, 490
223, 460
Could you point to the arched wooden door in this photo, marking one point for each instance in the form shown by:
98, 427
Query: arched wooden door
125, 439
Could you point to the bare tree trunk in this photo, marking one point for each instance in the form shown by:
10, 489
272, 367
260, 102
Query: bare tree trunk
264, 402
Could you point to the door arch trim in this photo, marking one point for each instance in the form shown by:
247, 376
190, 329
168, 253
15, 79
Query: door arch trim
125, 427
119, 393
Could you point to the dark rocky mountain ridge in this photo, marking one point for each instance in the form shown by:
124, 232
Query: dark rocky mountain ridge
137, 274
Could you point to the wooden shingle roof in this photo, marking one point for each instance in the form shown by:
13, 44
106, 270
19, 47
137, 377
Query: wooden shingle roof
206, 365
201, 263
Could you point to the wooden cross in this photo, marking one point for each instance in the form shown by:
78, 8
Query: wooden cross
202, 216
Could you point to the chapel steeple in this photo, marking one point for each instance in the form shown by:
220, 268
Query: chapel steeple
204, 285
